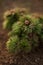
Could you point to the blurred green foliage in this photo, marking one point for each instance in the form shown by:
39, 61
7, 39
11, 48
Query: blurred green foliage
25, 33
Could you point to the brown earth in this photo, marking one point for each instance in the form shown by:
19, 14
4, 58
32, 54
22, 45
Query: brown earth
33, 58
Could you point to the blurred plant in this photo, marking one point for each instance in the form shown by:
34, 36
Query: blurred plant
26, 30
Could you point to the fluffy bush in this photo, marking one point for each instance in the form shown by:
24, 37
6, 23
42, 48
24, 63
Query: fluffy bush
26, 30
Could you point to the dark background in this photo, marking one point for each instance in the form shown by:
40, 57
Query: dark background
33, 5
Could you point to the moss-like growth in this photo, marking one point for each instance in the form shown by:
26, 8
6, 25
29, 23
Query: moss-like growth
9, 20
12, 44
26, 30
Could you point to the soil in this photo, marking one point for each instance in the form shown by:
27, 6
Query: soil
35, 57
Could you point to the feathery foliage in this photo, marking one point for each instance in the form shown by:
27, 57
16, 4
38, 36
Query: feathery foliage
25, 33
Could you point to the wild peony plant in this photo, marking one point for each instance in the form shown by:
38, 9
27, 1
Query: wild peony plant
26, 31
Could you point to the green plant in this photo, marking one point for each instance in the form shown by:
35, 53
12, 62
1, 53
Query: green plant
25, 33
12, 44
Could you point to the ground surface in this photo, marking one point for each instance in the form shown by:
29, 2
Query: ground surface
33, 58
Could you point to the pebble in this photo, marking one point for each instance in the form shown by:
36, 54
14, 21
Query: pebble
36, 60
11, 61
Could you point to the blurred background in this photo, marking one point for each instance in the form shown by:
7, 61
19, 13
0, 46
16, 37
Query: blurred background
32, 5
